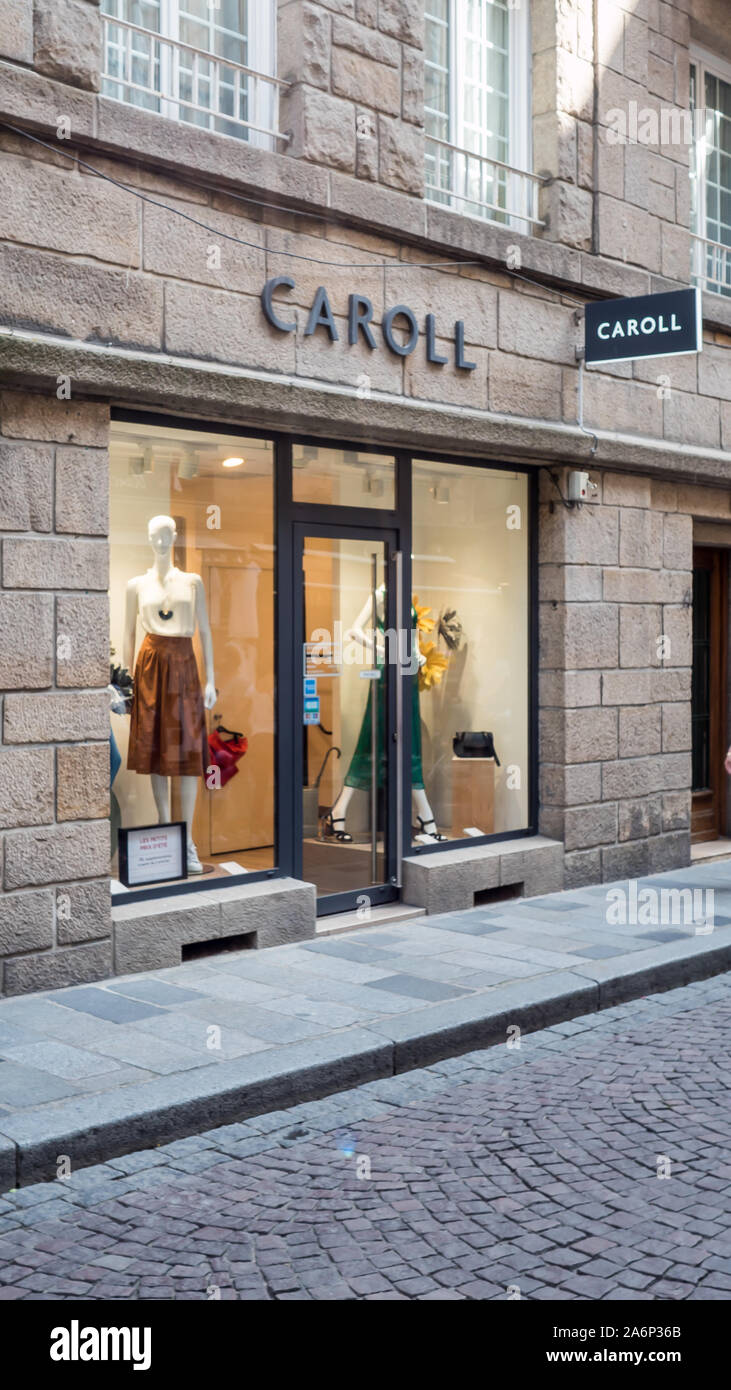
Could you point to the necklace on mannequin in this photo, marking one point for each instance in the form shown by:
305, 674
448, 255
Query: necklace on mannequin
165, 611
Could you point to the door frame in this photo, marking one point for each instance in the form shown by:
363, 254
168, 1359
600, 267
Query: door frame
388, 536
711, 802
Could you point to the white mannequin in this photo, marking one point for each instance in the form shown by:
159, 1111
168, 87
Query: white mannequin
372, 642
164, 585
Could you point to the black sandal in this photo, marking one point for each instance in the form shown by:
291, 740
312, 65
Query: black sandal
341, 835
433, 834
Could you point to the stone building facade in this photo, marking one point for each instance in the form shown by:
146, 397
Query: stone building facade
111, 301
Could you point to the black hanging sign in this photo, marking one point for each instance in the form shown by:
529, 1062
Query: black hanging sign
650, 325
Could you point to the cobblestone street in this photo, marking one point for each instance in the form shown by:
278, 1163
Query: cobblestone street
535, 1171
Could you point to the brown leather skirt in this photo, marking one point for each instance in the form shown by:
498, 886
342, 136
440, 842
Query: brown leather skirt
168, 729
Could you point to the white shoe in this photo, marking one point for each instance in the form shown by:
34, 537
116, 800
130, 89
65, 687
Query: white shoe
194, 863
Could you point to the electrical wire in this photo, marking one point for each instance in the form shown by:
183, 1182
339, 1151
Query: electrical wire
240, 241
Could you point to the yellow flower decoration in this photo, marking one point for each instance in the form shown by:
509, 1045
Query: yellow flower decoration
423, 622
431, 672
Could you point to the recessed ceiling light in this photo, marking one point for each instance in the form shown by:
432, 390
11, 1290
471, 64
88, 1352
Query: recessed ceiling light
233, 462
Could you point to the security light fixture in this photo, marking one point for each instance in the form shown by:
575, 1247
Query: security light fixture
373, 485
188, 465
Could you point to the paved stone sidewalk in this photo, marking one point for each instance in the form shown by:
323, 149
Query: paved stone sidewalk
590, 1163
100, 1067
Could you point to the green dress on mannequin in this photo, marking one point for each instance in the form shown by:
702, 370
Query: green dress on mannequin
359, 772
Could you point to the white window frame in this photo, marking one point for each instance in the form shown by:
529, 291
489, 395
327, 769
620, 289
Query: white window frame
520, 143
261, 56
704, 61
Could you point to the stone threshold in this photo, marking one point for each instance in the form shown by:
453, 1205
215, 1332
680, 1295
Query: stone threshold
378, 916
98, 1127
711, 849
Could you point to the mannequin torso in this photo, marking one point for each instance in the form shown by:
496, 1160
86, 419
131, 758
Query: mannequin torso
176, 594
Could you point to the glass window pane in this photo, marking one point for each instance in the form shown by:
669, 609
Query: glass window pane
435, 44
343, 477
218, 490
470, 605
435, 89
346, 735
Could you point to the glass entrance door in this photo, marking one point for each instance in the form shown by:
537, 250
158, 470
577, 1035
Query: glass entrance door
349, 714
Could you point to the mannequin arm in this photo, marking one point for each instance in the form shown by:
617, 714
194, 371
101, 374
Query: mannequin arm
130, 625
357, 633
204, 628
365, 640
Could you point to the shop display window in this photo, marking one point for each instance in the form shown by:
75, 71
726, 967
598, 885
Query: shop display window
192, 672
470, 606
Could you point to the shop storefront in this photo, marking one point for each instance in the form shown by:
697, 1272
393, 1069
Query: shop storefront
359, 685
290, 421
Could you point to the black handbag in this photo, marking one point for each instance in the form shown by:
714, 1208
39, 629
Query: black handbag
475, 745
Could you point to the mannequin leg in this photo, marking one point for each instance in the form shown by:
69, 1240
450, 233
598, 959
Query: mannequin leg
188, 795
161, 793
423, 812
340, 809
336, 817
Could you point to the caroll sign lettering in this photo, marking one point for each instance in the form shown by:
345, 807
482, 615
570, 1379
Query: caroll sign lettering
649, 325
400, 318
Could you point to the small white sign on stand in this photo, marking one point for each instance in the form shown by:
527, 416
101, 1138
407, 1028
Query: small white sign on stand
152, 854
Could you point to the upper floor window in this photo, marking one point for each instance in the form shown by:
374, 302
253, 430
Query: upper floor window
212, 64
477, 109
710, 94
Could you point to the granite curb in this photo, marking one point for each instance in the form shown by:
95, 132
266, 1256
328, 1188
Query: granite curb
96, 1128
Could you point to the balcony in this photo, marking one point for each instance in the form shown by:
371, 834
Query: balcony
480, 187
711, 265
184, 83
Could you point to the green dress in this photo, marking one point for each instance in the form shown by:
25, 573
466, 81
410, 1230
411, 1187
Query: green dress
359, 772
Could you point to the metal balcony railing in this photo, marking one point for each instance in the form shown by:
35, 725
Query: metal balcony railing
478, 186
147, 69
711, 265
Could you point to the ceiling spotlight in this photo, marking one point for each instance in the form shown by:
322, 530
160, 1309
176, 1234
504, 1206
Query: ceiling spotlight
373, 485
188, 465
137, 464
233, 462
148, 461
440, 492
350, 457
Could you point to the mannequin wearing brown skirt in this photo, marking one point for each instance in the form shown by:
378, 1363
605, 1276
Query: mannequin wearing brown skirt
167, 728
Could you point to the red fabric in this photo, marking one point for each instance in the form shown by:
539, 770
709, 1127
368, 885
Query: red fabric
225, 754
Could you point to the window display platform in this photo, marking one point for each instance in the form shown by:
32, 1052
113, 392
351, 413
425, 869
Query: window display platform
452, 881
151, 935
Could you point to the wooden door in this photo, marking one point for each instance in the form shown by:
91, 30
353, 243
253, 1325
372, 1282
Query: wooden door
710, 611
